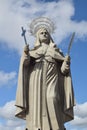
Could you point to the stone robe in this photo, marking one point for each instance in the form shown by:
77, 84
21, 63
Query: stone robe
44, 96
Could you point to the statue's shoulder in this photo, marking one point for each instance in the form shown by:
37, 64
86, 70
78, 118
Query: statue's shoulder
35, 48
33, 52
59, 51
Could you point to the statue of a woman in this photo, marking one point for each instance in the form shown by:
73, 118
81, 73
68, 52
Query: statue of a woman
45, 94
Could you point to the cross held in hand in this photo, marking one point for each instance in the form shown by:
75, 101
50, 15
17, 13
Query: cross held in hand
23, 35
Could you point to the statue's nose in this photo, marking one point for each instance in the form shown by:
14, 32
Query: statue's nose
44, 34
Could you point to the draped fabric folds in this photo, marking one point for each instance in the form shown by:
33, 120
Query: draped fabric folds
44, 95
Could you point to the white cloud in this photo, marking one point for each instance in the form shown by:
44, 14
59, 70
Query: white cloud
15, 13
7, 78
2, 127
7, 113
80, 119
81, 110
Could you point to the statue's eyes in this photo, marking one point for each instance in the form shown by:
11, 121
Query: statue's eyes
43, 33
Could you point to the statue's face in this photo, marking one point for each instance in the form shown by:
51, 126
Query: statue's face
44, 36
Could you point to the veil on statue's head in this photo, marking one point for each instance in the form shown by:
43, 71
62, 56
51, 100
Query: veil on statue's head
37, 42
39, 24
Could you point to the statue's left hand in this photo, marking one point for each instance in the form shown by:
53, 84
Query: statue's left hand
67, 59
65, 68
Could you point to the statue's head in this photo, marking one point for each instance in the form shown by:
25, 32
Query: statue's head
43, 35
41, 28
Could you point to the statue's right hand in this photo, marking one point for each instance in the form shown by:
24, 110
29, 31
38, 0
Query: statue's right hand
26, 49
26, 55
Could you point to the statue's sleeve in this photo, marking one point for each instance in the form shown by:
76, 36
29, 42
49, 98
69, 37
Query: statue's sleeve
69, 99
22, 87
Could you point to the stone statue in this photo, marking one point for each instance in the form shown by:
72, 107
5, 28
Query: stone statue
44, 95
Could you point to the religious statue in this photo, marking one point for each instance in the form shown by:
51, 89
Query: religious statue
45, 96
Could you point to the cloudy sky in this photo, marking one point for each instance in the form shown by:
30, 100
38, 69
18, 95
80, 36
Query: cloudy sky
69, 16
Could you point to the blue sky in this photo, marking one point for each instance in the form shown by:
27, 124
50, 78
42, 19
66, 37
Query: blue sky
68, 16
